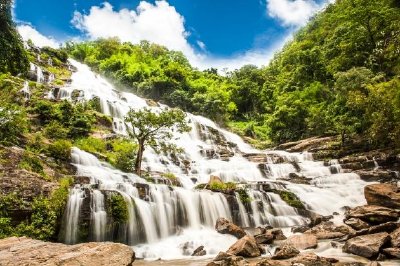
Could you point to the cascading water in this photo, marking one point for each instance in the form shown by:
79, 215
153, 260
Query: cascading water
38, 72
170, 222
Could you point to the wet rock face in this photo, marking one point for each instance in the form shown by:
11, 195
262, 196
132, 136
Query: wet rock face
27, 251
387, 195
223, 226
246, 247
373, 214
367, 246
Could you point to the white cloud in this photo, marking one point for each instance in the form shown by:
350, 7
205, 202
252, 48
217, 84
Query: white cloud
162, 24
159, 23
293, 12
27, 32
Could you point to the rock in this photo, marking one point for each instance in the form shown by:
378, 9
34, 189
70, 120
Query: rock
387, 195
286, 251
392, 252
356, 224
303, 241
270, 262
246, 247
316, 219
366, 246
223, 226
376, 175
277, 233
256, 157
328, 230
299, 229
374, 263
264, 238
225, 259
28, 251
395, 238
373, 214
385, 227
311, 259
253, 231
199, 251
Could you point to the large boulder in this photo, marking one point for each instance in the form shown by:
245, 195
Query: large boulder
387, 195
28, 251
303, 241
223, 226
285, 251
367, 246
246, 247
373, 214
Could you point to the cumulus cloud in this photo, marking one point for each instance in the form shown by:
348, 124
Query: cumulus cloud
162, 24
293, 13
27, 32
158, 23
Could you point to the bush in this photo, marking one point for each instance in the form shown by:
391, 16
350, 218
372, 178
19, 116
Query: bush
55, 130
124, 155
117, 208
60, 150
92, 145
13, 123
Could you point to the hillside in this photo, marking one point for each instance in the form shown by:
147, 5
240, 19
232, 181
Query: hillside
338, 76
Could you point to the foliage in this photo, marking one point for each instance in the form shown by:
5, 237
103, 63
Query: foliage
13, 57
60, 150
244, 196
153, 129
45, 219
290, 198
117, 208
13, 123
155, 72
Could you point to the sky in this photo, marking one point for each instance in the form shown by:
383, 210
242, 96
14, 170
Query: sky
211, 33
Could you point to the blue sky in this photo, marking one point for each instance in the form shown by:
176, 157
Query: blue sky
214, 33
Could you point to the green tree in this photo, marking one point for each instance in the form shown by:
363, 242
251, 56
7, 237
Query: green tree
151, 128
13, 58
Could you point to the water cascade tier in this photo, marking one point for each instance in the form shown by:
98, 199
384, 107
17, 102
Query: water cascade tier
171, 221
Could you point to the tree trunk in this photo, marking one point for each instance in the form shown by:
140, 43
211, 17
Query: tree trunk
139, 157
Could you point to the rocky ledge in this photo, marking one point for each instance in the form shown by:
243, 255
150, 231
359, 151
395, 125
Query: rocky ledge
26, 251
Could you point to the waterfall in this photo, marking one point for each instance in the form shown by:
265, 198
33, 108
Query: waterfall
164, 220
72, 214
26, 91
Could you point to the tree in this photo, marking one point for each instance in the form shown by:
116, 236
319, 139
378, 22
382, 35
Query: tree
13, 57
151, 129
